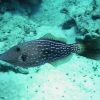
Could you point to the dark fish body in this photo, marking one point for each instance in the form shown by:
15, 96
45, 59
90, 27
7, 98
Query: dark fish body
37, 52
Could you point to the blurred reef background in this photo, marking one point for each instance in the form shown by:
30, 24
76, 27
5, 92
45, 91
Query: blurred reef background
24, 20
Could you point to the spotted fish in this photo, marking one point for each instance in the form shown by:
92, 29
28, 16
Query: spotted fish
40, 51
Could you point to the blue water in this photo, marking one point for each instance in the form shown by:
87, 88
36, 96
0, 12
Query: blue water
71, 78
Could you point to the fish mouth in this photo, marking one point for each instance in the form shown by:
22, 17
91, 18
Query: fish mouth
4, 57
1, 56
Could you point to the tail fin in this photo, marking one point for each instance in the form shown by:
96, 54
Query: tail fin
90, 47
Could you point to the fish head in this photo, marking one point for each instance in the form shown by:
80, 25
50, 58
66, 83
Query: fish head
15, 56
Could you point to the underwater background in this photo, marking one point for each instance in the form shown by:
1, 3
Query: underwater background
70, 78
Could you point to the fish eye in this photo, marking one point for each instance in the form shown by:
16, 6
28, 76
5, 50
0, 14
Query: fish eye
18, 49
23, 57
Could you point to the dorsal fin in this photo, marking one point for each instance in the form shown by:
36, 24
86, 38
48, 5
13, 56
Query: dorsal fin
54, 37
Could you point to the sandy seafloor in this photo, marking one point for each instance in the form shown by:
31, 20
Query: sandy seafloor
75, 79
